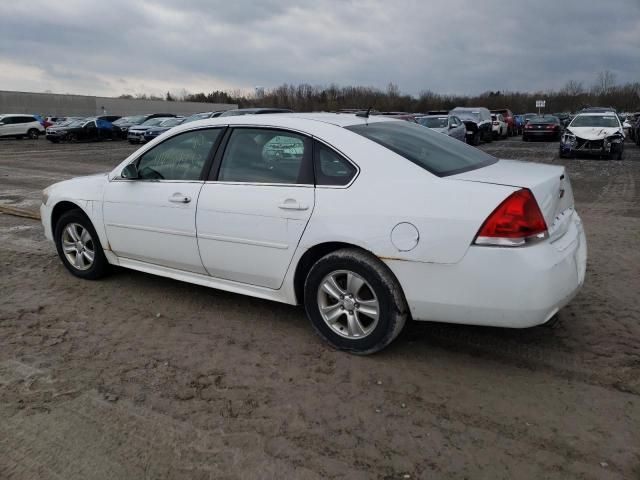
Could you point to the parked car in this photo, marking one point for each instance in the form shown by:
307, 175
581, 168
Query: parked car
85, 129
125, 123
20, 126
253, 111
594, 134
447, 124
135, 134
564, 118
629, 125
518, 121
164, 126
635, 129
543, 127
509, 119
499, 127
478, 123
273, 217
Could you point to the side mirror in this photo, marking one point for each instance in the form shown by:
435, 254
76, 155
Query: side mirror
130, 172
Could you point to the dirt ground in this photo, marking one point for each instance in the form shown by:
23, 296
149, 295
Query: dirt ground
138, 376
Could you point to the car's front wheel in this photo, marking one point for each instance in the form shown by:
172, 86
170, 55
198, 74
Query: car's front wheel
79, 247
354, 302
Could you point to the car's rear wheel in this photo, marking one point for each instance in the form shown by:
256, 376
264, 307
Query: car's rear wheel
33, 134
354, 302
79, 247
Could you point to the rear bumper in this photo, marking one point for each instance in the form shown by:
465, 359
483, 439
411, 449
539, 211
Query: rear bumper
494, 286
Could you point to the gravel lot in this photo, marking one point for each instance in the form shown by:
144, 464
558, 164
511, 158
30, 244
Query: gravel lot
138, 376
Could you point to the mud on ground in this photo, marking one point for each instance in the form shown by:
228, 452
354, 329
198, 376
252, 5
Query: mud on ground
138, 376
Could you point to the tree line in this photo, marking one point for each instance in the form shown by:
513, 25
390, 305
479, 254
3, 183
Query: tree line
304, 97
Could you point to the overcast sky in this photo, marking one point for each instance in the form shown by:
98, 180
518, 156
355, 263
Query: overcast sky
111, 47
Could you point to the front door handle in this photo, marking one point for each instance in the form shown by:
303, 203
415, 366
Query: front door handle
292, 204
179, 198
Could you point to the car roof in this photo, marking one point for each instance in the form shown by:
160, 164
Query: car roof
596, 114
287, 120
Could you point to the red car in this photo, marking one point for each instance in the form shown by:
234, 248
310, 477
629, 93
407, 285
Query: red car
508, 117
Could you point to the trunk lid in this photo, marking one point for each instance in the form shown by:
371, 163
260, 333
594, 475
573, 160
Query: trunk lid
549, 184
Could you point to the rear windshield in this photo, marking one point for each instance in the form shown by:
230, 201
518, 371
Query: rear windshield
439, 154
544, 120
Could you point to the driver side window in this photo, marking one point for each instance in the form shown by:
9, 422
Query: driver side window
179, 158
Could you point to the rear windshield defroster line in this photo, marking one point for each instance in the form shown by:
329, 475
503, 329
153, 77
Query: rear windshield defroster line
437, 153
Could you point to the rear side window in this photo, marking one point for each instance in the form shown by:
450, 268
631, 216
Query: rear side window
331, 168
440, 154
257, 155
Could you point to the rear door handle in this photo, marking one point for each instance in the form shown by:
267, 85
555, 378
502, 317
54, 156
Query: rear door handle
292, 204
179, 198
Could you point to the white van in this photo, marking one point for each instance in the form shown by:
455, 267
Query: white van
20, 126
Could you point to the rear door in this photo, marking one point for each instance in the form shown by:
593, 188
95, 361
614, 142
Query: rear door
253, 211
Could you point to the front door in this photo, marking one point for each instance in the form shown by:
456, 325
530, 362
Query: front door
153, 218
252, 215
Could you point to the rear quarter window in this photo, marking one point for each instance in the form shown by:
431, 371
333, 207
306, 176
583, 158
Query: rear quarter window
437, 153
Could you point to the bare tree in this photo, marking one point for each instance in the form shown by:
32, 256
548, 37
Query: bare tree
572, 88
605, 82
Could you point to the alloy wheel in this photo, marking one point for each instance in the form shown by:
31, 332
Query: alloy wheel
78, 246
348, 304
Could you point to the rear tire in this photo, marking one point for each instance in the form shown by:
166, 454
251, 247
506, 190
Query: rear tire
79, 246
342, 292
33, 134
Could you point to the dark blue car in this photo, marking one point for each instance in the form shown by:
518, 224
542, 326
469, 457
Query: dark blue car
168, 124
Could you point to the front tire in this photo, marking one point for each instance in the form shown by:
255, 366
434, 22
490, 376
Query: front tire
79, 247
354, 302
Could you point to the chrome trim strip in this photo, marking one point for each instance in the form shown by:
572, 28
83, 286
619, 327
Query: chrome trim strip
244, 241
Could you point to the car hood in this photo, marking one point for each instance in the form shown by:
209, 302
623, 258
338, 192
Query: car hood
89, 187
593, 133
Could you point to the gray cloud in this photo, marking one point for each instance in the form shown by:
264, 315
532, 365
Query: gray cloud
451, 46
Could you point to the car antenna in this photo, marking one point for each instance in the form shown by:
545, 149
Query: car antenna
364, 114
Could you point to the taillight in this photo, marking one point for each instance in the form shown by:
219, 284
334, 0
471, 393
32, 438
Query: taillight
528, 125
551, 127
517, 221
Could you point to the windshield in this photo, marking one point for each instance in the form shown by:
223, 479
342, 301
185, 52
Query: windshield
437, 153
548, 119
468, 115
172, 122
197, 116
434, 122
134, 119
595, 121
152, 122
76, 123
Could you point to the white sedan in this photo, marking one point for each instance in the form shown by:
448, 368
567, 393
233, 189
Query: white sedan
367, 222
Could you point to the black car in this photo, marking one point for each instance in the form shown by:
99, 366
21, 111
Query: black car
477, 120
564, 118
543, 127
125, 123
86, 129
253, 111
